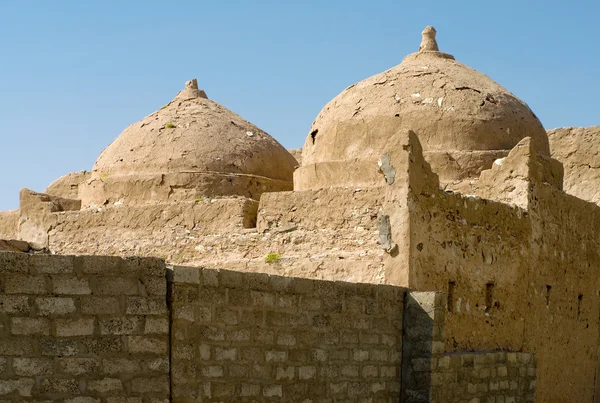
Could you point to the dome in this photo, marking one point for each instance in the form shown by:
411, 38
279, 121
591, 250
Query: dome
192, 146
463, 119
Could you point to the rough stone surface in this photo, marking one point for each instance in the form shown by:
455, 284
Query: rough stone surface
579, 151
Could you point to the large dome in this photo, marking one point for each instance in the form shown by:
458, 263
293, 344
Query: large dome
193, 145
463, 119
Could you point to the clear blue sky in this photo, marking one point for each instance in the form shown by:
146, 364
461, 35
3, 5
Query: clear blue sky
74, 74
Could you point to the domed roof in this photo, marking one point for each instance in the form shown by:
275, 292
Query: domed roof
193, 133
451, 107
192, 147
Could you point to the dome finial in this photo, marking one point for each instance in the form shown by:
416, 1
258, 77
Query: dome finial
192, 84
428, 43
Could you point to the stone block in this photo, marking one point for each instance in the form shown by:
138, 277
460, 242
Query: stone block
74, 327
115, 366
82, 399
77, 366
117, 286
124, 325
55, 306
58, 348
23, 387
24, 284
212, 371
307, 372
156, 326
144, 344
60, 386
272, 391
155, 385
186, 275
103, 345
249, 389
51, 264
12, 304
146, 306
105, 385
224, 354
31, 367
100, 305
30, 326
70, 285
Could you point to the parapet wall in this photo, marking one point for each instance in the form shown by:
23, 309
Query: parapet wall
8, 224
83, 328
253, 337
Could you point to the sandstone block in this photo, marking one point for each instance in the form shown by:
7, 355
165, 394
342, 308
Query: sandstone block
55, 306
158, 365
272, 390
77, 366
222, 354
31, 366
117, 286
100, 305
23, 284
16, 346
151, 385
121, 325
74, 327
103, 345
143, 344
156, 326
105, 385
30, 326
307, 372
51, 264
212, 371
82, 399
60, 386
146, 306
186, 275
114, 366
248, 389
11, 304
23, 386
54, 347
69, 285
285, 373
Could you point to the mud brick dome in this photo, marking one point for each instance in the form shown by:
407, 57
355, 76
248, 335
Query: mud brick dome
189, 148
463, 119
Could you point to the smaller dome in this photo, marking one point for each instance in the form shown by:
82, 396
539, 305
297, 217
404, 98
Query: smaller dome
190, 147
463, 119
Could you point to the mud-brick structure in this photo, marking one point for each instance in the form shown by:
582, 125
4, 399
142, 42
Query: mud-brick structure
432, 243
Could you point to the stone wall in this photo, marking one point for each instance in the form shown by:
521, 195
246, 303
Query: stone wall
85, 329
254, 337
577, 149
8, 224
477, 252
430, 375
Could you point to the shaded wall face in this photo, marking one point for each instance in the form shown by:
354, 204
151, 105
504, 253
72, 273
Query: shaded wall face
269, 338
563, 297
83, 327
476, 251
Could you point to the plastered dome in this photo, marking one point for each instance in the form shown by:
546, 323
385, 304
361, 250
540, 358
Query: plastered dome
191, 147
463, 119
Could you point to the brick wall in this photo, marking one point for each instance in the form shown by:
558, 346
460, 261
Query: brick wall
254, 337
83, 329
485, 377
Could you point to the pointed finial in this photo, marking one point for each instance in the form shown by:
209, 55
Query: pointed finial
192, 84
428, 43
